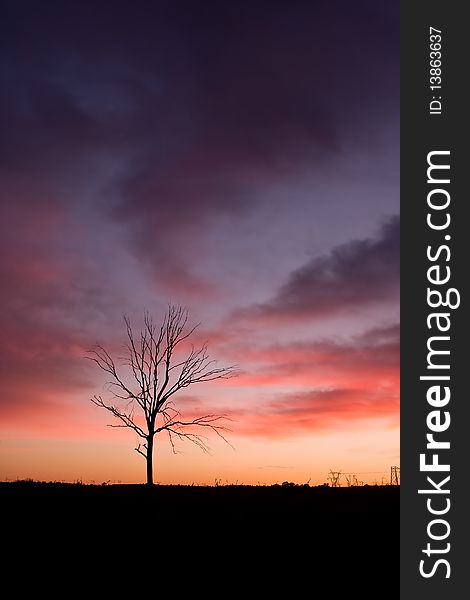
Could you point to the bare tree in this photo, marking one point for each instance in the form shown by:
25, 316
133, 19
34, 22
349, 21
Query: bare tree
142, 396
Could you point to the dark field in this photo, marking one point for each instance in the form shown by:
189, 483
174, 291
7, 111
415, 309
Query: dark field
217, 538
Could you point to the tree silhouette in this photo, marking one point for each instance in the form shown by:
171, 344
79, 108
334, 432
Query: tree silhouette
154, 375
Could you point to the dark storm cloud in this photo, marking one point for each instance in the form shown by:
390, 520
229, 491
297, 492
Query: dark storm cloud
202, 104
358, 274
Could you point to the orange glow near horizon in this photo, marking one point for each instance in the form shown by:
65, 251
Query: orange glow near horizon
294, 415
200, 172
250, 462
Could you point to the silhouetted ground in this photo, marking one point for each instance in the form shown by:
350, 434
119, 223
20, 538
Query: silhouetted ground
252, 540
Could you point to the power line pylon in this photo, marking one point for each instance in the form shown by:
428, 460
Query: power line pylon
334, 478
351, 479
394, 475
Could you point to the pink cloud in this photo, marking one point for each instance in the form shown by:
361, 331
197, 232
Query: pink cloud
288, 415
372, 356
299, 413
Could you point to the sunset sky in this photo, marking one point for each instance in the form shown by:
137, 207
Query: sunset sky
237, 158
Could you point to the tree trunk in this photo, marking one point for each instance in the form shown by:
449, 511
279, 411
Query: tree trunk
150, 460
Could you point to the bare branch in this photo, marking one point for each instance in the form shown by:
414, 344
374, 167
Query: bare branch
144, 454
151, 376
195, 439
208, 421
171, 442
101, 357
126, 419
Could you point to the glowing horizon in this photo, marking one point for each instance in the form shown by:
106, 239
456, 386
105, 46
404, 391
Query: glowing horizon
254, 182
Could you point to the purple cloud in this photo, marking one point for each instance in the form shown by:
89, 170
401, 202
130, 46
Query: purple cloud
354, 275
